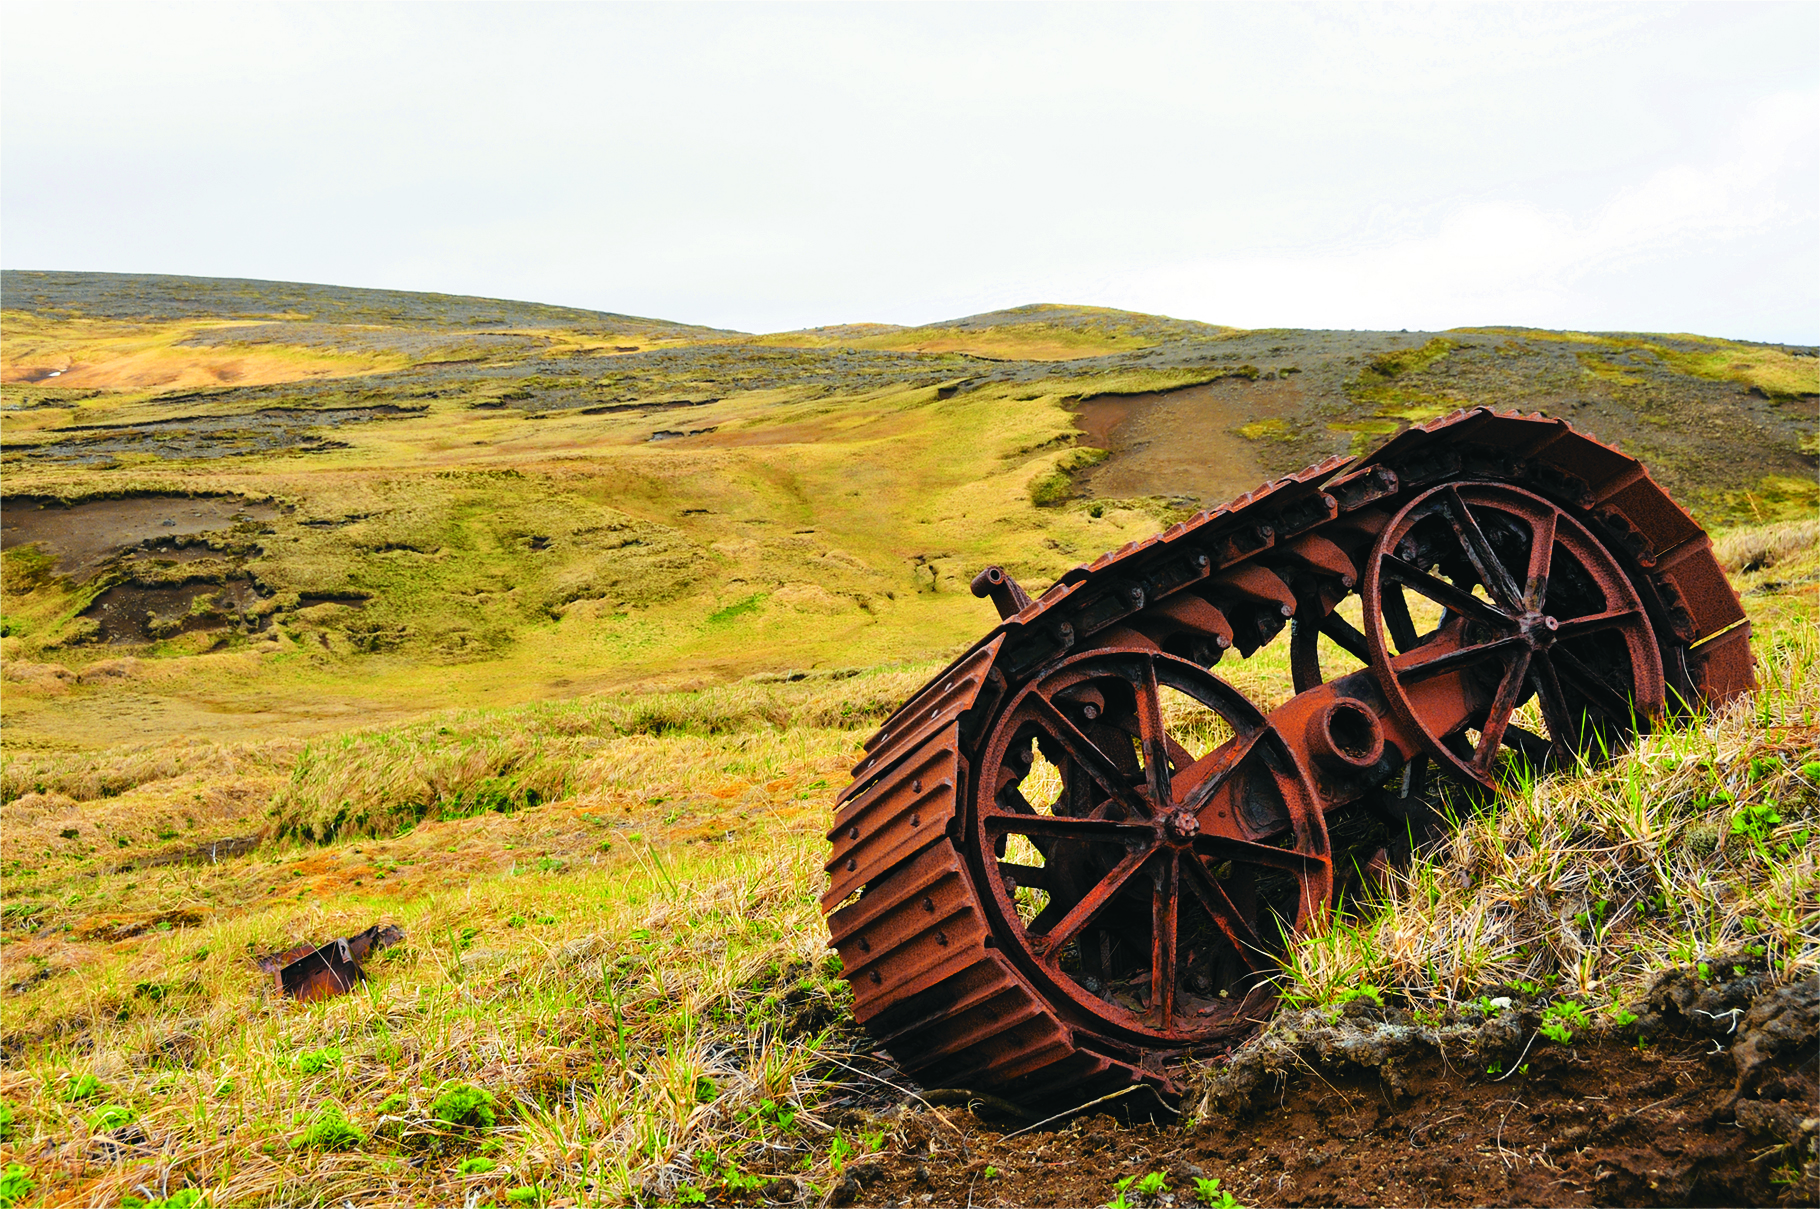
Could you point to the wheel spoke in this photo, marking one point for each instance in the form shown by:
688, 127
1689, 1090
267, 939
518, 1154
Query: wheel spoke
1165, 905
1092, 903
1533, 746
1395, 608
1600, 695
1563, 735
1049, 826
1221, 763
1031, 876
1347, 637
1592, 623
1154, 739
1492, 572
1225, 848
1086, 756
1418, 670
1236, 928
1443, 593
1491, 735
1541, 557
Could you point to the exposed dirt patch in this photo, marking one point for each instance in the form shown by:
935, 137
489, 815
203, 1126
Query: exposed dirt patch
83, 536
135, 613
268, 430
1718, 1108
1182, 442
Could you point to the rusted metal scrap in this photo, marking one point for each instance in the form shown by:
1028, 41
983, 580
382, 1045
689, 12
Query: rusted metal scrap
1059, 934
310, 972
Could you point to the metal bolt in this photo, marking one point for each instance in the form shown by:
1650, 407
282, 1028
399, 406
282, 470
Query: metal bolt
852, 864
929, 905
853, 833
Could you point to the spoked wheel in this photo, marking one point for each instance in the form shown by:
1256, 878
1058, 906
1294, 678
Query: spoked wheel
1530, 607
1145, 883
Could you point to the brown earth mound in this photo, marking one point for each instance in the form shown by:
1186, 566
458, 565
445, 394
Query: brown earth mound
1718, 1105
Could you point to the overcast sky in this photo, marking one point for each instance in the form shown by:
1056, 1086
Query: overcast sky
1639, 166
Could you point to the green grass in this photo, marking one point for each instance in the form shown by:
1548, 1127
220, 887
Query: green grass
582, 1021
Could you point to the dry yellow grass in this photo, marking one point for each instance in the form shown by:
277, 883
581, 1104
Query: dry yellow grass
635, 968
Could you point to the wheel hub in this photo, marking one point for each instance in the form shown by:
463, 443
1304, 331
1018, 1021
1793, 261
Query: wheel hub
1181, 827
1538, 630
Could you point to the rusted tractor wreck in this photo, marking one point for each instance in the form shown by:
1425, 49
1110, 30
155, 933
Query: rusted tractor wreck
1070, 860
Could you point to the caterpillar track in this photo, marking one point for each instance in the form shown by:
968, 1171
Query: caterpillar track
1068, 862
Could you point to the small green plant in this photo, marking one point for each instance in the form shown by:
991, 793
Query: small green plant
527, 1194
769, 1112
1153, 1184
395, 1103
331, 1131
183, 1198
465, 1105
689, 1194
1496, 1068
314, 1062
735, 1180
1559, 1020
16, 1184
1120, 1201
1209, 1193
6, 1120
1756, 822
1364, 990
1624, 1017
475, 1166
82, 1087
874, 1141
991, 1172
839, 1151
111, 1116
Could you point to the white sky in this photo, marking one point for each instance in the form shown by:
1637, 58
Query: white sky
1639, 166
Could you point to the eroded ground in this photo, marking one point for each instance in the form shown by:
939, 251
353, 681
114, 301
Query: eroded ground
1372, 1111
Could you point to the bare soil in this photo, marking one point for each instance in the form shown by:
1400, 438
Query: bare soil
1717, 1107
85, 536
1182, 442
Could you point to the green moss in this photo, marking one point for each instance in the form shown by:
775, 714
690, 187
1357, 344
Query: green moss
465, 1105
1402, 361
1366, 434
1269, 429
331, 1131
1775, 497
739, 608
1056, 485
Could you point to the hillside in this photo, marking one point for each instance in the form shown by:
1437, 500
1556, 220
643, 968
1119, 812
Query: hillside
221, 489
548, 636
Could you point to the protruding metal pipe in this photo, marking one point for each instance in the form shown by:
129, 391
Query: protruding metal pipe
1006, 596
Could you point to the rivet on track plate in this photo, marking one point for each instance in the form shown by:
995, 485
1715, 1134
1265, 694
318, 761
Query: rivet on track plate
852, 864
865, 946
916, 820
853, 833
875, 978
916, 787
941, 938
929, 905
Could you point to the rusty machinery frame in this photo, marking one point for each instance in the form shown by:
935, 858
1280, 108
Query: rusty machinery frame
1036, 887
